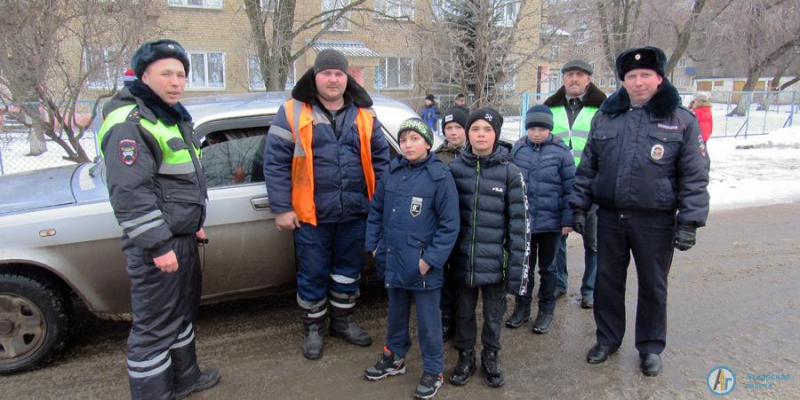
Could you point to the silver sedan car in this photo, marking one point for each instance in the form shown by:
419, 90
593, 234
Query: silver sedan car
59, 239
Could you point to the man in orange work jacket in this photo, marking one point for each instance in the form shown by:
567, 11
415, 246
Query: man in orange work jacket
324, 153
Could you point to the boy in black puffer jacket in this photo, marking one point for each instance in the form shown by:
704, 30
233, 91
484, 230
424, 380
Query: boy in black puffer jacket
491, 255
549, 170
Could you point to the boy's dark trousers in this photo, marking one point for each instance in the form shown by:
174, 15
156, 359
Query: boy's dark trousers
494, 306
429, 326
448, 302
545, 246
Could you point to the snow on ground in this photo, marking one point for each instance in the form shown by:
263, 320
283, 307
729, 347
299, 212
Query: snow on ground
745, 172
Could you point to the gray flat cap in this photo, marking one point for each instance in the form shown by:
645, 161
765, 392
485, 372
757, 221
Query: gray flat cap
577, 64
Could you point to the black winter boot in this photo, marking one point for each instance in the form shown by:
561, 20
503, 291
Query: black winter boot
464, 368
313, 343
343, 319
521, 315
490, 365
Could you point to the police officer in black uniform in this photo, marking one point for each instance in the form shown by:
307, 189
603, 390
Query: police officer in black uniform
158, 192
646, 166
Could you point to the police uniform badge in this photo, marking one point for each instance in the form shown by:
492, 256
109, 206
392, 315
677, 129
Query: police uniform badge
416, 206
657, 152
701, 145
128, 151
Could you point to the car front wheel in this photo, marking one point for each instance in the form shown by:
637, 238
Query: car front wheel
33, 322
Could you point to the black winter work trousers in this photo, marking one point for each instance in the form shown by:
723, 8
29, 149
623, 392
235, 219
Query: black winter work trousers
494, 306
161, 348
648, 236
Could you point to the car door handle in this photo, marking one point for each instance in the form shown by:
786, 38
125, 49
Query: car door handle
260, 203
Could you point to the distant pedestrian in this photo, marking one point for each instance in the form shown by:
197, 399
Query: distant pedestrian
431, 114
701, 106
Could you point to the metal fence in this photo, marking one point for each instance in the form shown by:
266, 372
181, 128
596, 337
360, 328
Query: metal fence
764, 112
15, 142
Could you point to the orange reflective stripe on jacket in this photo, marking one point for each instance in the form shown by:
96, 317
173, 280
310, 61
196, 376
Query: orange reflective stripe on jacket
302, 127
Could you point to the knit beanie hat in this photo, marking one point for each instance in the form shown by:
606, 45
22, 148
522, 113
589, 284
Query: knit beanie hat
540, 116
330, 59
416, 125
455, 114
489, 115
430, 97
151, 52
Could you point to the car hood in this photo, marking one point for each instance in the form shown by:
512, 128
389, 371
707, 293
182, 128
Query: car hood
37, 189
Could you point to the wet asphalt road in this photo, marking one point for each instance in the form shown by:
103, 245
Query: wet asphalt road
733, 301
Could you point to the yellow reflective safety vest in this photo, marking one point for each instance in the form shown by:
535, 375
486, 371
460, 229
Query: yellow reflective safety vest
576, 137
176, 159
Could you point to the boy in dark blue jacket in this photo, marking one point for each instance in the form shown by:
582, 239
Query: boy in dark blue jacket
412, 227
549, 171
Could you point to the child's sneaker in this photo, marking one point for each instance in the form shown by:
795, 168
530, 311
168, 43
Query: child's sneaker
428, 385
389, 364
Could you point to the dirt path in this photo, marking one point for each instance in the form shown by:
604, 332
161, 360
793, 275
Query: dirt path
733, 301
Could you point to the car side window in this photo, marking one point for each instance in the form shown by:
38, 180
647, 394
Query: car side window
234, 157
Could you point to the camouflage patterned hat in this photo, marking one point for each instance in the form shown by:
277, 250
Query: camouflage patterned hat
416, 125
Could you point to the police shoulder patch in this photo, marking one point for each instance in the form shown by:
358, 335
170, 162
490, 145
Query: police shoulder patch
128, 150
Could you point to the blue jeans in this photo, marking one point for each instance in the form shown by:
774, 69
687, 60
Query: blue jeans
589, 260
429, 326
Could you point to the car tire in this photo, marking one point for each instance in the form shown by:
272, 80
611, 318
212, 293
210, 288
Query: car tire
34, 321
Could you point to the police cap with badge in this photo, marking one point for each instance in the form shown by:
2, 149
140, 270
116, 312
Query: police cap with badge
647, 57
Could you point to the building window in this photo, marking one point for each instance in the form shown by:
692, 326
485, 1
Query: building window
343, 23
602, 81
101, 74
207, 70
682, 62
554, 52
396, 8
719, 83
395, 73
506, 12
257, 81
196, 3
269, 6
681, 81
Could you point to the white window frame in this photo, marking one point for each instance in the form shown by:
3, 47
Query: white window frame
343, 24
193, 66
383, 67
205, 5
602, 81
682, 62
290, 81
268, 5
396, 8
502, 8
112, 78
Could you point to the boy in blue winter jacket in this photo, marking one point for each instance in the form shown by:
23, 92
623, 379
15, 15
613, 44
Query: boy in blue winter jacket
549, 171
412, 226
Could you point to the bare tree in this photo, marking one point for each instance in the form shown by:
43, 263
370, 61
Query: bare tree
488, 44
275, 26
762, 32
53, 53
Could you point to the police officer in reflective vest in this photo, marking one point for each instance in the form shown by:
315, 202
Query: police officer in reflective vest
646, 166
324, 153
573, 106
158, 192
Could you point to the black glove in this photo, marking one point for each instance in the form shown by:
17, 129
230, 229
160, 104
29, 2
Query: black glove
685, 237
579, 221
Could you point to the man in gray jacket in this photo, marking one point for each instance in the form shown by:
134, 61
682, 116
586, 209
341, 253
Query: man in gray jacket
646, 167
